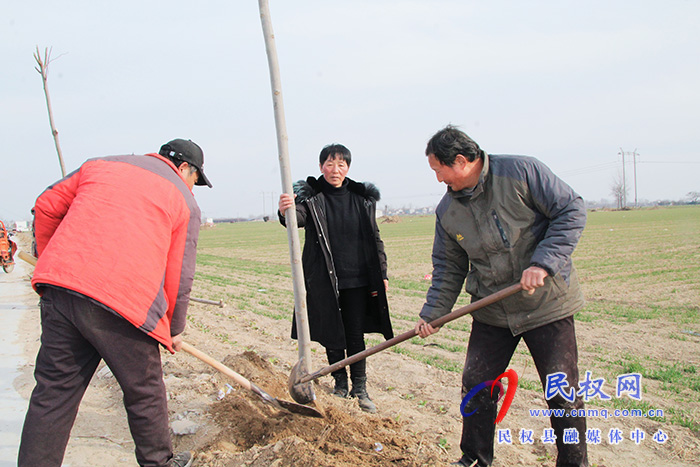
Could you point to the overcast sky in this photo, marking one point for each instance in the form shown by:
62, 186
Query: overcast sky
571, 83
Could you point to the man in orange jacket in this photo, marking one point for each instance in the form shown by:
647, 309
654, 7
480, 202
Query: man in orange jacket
116, 242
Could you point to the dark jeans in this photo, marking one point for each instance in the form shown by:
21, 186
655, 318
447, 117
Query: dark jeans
353, 306
553, 348
75, 335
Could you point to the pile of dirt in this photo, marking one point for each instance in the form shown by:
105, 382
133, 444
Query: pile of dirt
256, 434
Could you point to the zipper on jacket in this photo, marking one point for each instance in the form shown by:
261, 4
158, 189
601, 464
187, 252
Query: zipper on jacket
500, 229
324, 237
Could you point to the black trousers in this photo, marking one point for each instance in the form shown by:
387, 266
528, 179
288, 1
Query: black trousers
353, 305
553, 349
75, 335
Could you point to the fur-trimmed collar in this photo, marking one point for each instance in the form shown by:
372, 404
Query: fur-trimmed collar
305, 189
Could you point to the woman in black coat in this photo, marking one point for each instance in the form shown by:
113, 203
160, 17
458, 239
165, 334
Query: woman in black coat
344, 265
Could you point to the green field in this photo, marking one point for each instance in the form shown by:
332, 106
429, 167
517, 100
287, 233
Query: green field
640, 271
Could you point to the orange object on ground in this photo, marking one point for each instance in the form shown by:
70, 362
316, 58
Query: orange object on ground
7, 249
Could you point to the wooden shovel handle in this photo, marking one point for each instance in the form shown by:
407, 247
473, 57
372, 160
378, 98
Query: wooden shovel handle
31, 259
217, 365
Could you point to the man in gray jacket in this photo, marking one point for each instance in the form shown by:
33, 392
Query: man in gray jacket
503, 220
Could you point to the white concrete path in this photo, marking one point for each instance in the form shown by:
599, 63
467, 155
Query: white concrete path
17, 301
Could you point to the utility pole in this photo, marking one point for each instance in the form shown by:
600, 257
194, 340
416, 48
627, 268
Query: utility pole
624, 180
634, 164
263, 197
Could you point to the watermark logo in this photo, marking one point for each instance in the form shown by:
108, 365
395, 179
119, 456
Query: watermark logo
512, 377
629, 384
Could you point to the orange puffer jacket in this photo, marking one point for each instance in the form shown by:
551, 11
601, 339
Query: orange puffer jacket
122, 230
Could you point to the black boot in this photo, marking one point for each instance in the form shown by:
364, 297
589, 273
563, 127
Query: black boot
359, 390
341, 383
341, 375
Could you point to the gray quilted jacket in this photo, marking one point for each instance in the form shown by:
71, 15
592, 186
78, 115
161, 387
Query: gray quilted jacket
519, 214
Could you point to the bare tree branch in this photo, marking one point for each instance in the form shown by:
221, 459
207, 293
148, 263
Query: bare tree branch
43, 70
617, 189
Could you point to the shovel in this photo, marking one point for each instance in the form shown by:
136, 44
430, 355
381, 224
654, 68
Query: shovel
287, 406
305, 378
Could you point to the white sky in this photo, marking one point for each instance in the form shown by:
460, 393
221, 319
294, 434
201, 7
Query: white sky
568, 82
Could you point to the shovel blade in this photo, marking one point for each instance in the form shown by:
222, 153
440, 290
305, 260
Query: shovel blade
286, 406
299, 409
303, 393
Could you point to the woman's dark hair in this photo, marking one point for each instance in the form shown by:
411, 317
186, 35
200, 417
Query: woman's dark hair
335, 150
450, 141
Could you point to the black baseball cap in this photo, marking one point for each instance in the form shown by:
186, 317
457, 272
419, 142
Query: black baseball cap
186, 150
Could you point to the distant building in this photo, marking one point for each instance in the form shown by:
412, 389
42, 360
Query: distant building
21, 226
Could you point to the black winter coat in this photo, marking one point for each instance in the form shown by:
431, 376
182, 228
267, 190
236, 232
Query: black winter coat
325, 321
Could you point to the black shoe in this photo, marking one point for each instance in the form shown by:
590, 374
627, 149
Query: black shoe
462, 462
341, 385
182, 459
359, 390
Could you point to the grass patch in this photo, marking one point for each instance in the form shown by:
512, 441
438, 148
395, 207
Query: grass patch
675, 376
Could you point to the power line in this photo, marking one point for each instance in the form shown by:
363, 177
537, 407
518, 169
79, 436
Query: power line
668, 162
607, 166
594, 168
610, 165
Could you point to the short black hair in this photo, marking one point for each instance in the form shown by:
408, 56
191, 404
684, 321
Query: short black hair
450, 141
177, 162
334, 150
